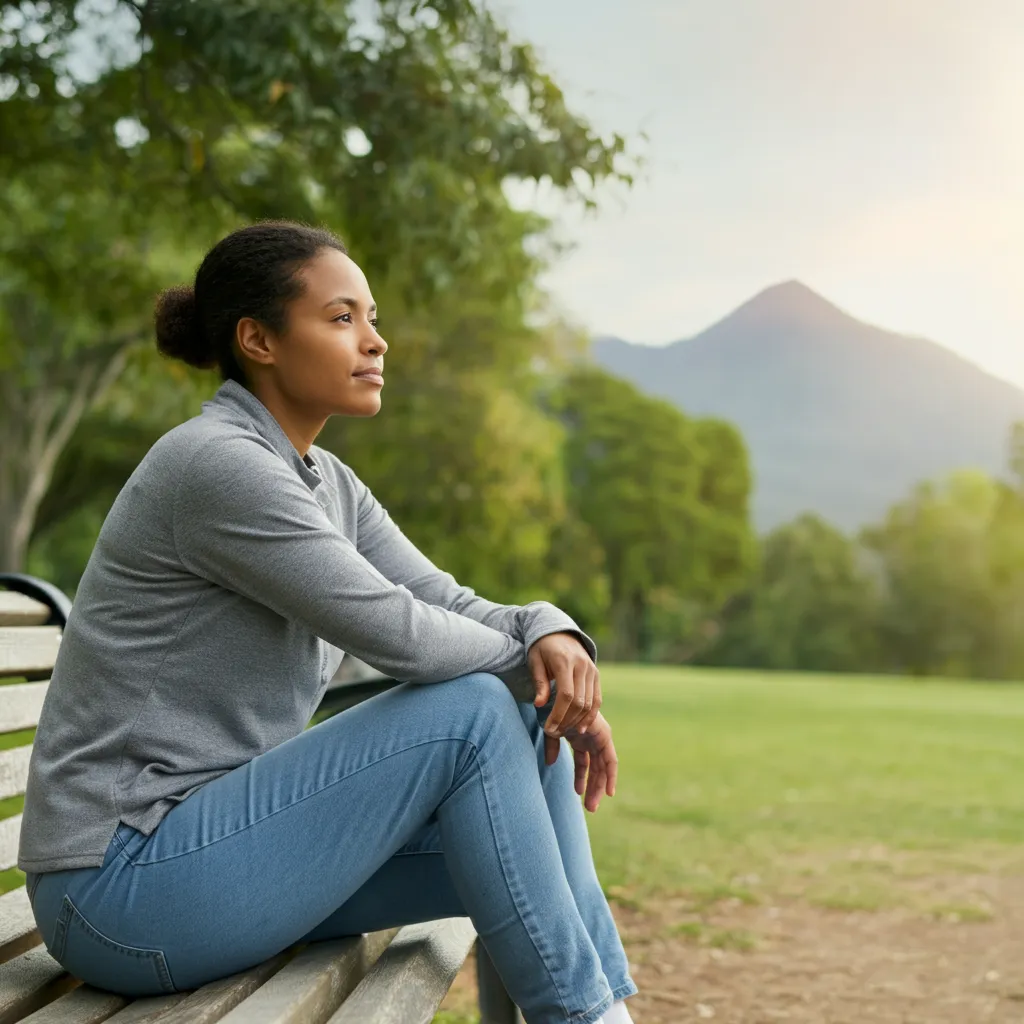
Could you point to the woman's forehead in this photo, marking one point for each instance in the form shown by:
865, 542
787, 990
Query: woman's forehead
333, 275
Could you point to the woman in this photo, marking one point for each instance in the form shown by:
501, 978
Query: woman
180, 822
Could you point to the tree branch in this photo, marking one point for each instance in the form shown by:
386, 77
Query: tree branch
48, 439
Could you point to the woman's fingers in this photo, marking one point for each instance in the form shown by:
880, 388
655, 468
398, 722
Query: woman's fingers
585, 680
569, 698
594, 696
552, 745
610, 760
582, 759
604, 770
582, 694
595, 785
541, 681
561, 667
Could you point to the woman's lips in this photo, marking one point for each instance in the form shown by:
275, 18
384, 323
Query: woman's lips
373, 376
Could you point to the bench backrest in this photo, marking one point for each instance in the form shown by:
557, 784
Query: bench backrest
28, 648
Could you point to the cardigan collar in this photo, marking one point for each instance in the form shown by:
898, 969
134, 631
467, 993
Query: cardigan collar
234, 397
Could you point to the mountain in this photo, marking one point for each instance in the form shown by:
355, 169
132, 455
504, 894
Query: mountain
841, 418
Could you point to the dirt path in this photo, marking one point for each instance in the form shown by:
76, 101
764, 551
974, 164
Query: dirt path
762, 964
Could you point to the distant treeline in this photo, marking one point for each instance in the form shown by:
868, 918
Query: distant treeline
937, 588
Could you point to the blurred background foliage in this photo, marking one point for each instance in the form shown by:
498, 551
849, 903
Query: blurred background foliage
134, 134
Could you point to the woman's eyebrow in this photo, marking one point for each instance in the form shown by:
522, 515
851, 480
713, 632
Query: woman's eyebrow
341, 300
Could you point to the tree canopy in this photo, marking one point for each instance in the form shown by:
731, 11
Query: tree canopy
136, 133
665, 497
811, 604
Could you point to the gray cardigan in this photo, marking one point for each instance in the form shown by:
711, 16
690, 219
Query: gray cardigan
227, 581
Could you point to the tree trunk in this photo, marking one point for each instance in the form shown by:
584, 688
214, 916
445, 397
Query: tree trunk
629, 641
641, 625
36, 430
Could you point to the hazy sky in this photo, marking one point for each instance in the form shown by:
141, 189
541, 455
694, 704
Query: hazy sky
874, 149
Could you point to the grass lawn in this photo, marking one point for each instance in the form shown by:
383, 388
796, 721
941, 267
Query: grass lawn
782, 841
838, 789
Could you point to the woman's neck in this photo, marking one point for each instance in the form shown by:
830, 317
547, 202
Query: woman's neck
299, 426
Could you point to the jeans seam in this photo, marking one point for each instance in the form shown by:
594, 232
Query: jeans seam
138, 862
599, 1007
514, 890
156, 956
625, 990
60, 929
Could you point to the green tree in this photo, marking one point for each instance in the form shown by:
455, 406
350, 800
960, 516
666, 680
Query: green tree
1017, 454
1004, 658
810, 605
939, 554
135, 133
665, 499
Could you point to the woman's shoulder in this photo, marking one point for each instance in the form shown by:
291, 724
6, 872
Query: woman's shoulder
207, 447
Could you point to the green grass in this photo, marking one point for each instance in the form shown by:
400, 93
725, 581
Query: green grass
849, 793
701, 934
840, 789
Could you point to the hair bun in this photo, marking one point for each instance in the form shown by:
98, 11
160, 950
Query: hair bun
178, 331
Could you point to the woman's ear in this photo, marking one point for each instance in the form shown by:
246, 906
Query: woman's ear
254, 341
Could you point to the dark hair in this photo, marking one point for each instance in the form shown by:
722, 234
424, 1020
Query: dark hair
253, 272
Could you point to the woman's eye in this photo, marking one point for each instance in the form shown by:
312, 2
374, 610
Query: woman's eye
344, 317
374, 323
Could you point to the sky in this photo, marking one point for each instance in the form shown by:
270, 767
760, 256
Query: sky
873, 149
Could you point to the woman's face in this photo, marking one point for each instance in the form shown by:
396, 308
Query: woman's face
322, 358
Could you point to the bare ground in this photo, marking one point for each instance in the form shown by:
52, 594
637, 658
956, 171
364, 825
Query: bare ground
737, 963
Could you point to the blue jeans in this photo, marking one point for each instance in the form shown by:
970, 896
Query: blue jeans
421, 803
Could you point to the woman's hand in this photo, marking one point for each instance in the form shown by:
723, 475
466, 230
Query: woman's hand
597, 764
560, 656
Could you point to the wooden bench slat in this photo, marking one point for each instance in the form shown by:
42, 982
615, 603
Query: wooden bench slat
30, 981
20, 610
83, 1005
148, 1010
10, 832
13, 770
20, 704
17, 925
408, 982
28, 649
310, 987
211, 1002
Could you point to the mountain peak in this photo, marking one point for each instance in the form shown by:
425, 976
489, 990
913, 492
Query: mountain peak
841, 417
791, 302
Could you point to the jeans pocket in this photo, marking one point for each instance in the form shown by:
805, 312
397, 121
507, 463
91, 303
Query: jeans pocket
89, 955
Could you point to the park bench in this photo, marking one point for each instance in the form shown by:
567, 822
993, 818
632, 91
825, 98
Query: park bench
398, 976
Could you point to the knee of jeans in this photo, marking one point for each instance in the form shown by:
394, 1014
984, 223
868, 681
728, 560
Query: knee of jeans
485, 699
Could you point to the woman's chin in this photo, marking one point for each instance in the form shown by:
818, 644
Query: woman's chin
368, 406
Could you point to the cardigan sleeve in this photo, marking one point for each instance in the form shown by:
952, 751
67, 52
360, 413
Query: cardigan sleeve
386, 547
244, 520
